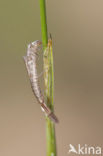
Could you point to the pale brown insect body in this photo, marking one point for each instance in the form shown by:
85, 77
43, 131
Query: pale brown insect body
31, 65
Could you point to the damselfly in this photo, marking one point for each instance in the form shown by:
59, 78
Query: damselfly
31, 65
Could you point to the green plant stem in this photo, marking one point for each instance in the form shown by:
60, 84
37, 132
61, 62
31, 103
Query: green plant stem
43, 23
48, 80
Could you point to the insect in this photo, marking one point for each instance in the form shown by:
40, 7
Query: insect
31, 64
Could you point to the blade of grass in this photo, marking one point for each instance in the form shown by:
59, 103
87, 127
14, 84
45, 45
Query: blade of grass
48, 80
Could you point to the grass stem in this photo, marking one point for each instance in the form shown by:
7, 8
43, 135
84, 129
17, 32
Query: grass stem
48, 80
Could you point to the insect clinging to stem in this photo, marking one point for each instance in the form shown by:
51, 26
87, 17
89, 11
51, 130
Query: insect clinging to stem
31, 65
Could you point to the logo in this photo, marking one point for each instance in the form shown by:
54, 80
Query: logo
90, 150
